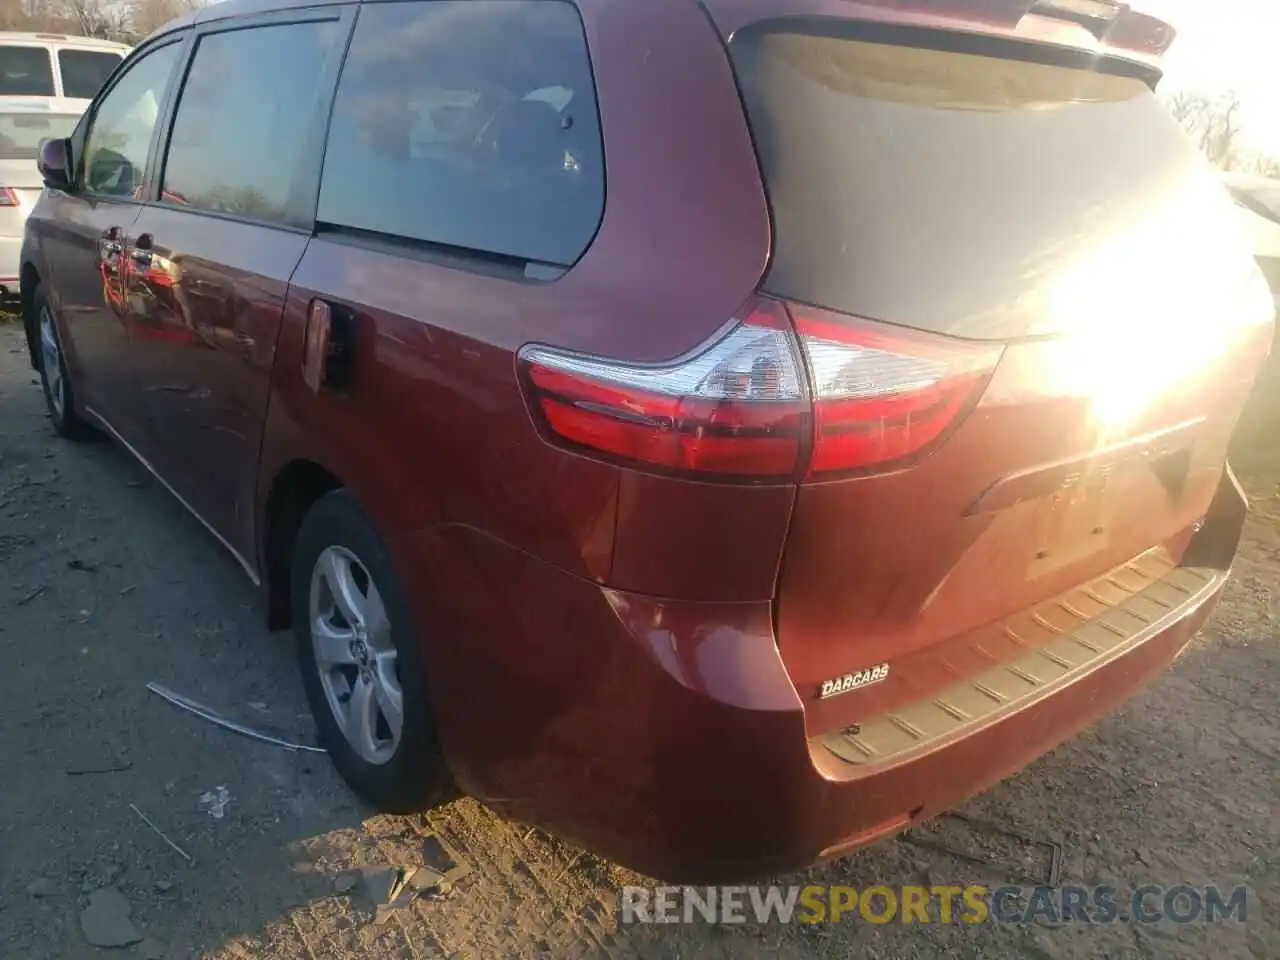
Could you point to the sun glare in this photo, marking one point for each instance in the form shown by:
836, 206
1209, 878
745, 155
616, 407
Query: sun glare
1153, 305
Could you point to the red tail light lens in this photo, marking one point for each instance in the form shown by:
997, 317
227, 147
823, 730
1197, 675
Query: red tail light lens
849, 396
883, 396
738, 408
7, 197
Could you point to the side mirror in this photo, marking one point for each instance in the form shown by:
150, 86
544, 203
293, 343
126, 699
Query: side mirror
55, 164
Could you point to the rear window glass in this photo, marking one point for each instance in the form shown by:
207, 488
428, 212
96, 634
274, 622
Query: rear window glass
25, 71
85, 71
934, 188
469, 124
22, 134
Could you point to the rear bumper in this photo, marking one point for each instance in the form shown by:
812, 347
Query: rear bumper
668, 736
927, 781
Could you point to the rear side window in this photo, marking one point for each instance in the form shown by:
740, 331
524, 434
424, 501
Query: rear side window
85, 71
25, 71
469, 124
937, 188
243, 114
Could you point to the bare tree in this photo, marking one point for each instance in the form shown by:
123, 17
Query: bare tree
1187, 108
1264, 166
122, 20
12, 15
34, 15
97, 18
1213, 123
1222, 135
146, 16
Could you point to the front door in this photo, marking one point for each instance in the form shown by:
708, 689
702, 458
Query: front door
210, 262
84, 232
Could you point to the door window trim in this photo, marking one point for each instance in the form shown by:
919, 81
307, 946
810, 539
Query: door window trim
300, 208
81, 137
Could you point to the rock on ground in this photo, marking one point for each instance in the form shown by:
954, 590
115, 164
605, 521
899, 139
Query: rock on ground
106, 922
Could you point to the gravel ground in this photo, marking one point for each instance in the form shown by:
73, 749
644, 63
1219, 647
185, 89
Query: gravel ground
107, 583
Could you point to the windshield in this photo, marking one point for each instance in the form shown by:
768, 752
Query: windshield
22, 134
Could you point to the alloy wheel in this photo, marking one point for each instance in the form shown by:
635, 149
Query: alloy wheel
51, 361
355, 655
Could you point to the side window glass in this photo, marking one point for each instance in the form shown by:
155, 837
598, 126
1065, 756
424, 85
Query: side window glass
25, 71
85, 71
115, 152
242, 118
471, 124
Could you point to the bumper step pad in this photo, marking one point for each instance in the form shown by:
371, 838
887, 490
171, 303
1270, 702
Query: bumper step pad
1140, 599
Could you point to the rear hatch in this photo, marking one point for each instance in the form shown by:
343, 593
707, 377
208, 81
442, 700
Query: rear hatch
1063, 318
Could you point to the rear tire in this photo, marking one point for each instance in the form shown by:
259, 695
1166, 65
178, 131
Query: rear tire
361, 662
59, 395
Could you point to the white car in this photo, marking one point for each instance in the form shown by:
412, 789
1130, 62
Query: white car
47, 80
24, 127
1259, 202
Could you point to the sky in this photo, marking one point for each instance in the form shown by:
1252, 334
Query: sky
1228, 45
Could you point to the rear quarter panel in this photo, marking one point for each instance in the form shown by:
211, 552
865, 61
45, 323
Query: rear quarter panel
440, 434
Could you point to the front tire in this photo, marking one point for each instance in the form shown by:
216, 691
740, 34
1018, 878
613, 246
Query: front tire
59, 396
360, 660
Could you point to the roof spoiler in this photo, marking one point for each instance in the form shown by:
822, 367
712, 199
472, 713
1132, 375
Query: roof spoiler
1104, 28
1113, 23
1116, 28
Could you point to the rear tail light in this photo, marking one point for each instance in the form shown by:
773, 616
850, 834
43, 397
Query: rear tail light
882, 395
7, 197
760, 404
736, 408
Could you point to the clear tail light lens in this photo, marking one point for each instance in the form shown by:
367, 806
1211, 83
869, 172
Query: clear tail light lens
737, 408
883, 396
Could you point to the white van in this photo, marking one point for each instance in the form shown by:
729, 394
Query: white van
1259, 202
47, 80
56, 65
25, 124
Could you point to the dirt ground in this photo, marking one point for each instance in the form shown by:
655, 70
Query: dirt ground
106, 583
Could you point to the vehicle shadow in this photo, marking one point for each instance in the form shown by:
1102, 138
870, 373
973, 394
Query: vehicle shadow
108, 584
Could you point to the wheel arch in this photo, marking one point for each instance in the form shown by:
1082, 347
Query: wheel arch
28, 280
295, 487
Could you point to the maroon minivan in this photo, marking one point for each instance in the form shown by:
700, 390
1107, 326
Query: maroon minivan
721, 433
